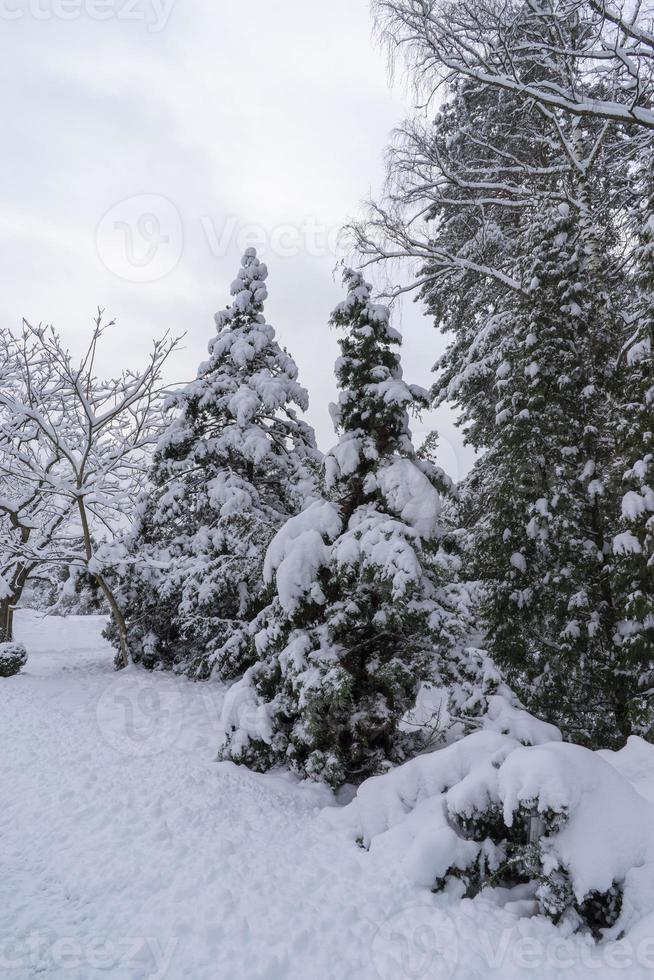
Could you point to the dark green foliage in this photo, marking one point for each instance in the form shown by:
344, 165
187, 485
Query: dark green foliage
536, 261
634, 466
542, 501
13, 657
515, 855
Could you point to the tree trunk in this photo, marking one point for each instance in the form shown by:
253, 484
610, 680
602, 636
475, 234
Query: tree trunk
8, 605
6, 621
116, 611
118, 618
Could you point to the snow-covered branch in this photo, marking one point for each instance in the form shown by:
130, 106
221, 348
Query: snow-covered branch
73, 448
514, 47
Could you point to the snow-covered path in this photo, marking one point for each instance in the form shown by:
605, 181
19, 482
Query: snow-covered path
118, 825
127, 852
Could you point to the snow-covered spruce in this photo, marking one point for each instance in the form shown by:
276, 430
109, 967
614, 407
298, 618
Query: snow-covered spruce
633, 544
235, 462
556, 824
364, 609
542, 500
555, 406
13, 657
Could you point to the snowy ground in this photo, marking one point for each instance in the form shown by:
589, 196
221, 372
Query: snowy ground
127, 852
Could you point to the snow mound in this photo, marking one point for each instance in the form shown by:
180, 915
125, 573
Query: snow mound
242, 713
504, 717
489, 811
608, 827
635, 761
384, 802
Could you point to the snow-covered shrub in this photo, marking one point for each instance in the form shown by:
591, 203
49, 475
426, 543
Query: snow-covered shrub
366, 606
13, 657
487, 811
66, 590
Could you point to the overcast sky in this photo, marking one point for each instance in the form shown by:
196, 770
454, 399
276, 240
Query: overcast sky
145, 143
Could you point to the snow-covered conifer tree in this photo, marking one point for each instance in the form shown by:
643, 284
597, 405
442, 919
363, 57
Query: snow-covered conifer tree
634, 543
235, 462
361, 613
542, 507
548, 404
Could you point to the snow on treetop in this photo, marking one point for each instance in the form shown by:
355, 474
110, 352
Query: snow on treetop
371, 414
248, 373
358, 295
252, 272
249, 291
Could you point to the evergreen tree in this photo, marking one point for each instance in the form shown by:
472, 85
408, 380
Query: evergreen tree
363, 610
234, 464
634, 543
498, 162
541, 500
538, 305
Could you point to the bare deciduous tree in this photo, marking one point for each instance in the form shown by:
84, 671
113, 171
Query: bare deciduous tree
560, 87
514, 44
73, 452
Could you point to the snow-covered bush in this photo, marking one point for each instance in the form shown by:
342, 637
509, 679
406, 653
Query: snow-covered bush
488, 811
13, 657
366, 606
